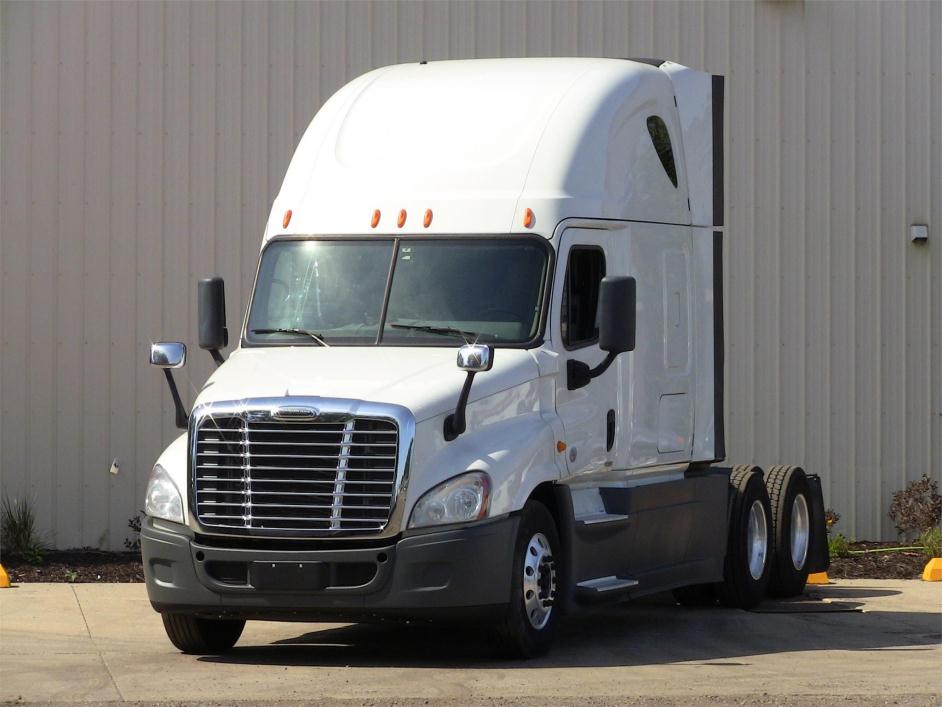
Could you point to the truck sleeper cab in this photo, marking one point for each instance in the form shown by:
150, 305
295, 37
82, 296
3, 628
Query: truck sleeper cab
567, 251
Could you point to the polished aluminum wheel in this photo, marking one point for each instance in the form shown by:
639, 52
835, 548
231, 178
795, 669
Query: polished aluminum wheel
757, 539
800, 531
539, 581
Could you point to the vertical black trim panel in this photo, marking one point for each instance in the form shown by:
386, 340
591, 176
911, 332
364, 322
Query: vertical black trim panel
719, 428
718, 87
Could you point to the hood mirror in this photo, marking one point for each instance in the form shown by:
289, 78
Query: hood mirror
475, 358
168, 354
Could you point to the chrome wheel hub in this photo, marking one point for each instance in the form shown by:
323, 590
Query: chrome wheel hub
800, 531
539, 581
757, 539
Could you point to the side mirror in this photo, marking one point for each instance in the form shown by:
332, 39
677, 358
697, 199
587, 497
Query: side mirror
475, 358
211, 302
168, 354
617, 314
617, 318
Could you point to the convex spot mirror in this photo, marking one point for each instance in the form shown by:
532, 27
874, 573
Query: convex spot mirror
475, 358
617, 314
168, 354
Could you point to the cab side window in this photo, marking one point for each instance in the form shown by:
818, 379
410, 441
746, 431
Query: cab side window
662, 144
584, 273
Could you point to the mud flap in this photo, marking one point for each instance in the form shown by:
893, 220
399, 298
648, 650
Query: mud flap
819, 559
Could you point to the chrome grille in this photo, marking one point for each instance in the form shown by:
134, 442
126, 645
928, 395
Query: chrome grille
252, 471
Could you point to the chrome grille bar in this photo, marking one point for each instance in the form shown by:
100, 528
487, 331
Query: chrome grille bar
294, 476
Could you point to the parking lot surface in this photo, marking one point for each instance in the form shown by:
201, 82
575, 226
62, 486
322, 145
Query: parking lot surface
851, 642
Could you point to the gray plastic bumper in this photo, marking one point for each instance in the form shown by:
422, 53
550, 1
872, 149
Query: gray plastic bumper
445, 574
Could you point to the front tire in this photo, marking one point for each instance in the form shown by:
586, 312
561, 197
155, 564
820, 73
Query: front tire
202, 636
748, 555
527, 628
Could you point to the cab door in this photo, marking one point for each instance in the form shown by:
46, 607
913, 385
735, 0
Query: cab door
587, 414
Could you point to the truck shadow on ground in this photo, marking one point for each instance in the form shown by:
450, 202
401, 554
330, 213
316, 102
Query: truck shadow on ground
652, 632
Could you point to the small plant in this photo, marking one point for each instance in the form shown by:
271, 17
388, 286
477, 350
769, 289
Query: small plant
917, 508
71, 575
931, 541
831, 518
18, 534
133, 544
838, 546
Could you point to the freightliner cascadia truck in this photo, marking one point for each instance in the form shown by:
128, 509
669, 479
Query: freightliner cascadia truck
480, 376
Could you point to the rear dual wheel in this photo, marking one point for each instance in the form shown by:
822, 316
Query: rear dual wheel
747, 570
790, 497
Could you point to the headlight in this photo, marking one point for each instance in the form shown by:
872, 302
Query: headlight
458, 500
163, 499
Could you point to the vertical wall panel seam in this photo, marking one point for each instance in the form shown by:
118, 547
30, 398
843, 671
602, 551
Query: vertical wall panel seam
829, 219
904, 295
84, 236
877, 269
28, 224
777, 248
52, 416
137, 460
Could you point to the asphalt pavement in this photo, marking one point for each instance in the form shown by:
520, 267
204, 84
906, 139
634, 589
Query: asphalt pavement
852, 642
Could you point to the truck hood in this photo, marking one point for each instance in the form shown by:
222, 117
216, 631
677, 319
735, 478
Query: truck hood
423, 379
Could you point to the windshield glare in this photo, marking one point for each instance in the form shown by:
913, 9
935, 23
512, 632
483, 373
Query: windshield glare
338, 290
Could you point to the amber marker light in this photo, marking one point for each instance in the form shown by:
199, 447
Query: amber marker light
402, 218
528, 218
287, 219
374, 222
427, 221
560, 446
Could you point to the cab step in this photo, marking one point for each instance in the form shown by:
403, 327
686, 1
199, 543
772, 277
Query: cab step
601, 518
604, 586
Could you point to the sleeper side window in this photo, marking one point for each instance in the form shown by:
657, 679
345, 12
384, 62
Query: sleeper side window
662, 144
584, 273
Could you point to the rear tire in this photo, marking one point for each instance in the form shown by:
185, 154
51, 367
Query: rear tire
790, 496
527, 628
202, 636
748, 554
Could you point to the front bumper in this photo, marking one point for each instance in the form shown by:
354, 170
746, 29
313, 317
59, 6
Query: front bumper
457, 573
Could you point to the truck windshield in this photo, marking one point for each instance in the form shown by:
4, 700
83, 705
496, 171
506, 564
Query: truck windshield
489, 290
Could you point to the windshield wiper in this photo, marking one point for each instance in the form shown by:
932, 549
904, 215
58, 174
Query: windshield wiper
469, 336
292, 330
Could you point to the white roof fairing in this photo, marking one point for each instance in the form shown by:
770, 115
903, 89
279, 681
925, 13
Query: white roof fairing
478, 142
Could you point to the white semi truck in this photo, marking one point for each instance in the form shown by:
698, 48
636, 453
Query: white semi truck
555, 225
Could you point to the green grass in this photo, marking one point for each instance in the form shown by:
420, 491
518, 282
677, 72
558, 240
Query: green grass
18, 534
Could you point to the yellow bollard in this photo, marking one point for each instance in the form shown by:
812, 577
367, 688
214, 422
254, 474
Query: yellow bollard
4, 578
933, 570
818, 578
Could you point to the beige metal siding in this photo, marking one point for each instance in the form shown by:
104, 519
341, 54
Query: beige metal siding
142, 145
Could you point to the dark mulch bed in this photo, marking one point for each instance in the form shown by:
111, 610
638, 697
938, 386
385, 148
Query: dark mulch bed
878, 565
78, 566
97, 566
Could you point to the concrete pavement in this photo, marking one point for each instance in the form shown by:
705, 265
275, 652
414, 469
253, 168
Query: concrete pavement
864, 640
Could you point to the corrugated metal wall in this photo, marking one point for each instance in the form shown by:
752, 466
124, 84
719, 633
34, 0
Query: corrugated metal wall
143, 144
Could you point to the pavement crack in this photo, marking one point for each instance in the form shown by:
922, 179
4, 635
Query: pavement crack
101, 655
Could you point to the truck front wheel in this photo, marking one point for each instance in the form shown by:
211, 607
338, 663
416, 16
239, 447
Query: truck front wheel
527, 627
202, 636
